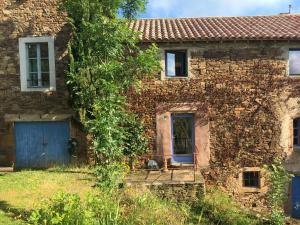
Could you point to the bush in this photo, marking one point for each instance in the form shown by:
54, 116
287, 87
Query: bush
61, 209
218, 208
143, 208
277, 218
130, 207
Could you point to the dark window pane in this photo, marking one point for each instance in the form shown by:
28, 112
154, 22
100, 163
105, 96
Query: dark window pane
295, 123
251, 179
295, 132
32, 50
294, 62
33, 65
44, 50
296, 142
176, 63
45, 66
33, 80
45, 80
183, 127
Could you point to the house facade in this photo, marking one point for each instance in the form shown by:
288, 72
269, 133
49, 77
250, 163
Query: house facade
226, 99
36, 118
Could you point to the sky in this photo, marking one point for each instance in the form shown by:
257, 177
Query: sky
199, 8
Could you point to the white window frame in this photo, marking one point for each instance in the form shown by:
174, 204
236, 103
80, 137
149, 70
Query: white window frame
24, 67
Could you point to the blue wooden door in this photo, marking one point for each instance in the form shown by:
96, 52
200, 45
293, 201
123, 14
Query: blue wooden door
183, 138
296, 197
41, 144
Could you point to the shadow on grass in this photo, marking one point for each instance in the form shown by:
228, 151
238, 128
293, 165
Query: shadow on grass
70, 170
15, 213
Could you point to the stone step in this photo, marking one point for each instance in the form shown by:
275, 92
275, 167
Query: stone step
6, 169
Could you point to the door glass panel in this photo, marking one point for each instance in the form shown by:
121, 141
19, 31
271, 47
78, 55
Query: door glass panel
183, 129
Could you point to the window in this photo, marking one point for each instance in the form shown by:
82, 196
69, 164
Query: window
37, 64
251, 179
296, 132
176, 63
294, 62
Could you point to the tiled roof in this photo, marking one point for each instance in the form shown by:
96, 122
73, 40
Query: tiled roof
278, 27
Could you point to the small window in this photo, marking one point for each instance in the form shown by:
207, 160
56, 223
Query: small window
37, 64
294, 62
296, 132
176, 63
251, 179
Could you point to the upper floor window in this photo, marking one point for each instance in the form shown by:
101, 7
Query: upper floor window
296, 132
294, 62
37, 64
176, 63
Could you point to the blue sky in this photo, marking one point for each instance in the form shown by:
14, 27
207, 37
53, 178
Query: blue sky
198, 8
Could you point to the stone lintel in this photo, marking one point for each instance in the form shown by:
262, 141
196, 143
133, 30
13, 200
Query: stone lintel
35, 117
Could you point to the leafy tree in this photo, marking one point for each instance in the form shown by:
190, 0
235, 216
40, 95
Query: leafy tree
106, 60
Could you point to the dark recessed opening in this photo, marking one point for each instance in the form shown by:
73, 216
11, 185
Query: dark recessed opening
251, 179
176, 63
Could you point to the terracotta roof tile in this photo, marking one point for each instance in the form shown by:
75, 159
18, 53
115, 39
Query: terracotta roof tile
219, 28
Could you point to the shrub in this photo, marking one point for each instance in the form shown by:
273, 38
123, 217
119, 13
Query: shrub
218, 208
279, 178
130, 207
277, 218
143, 208
63, 209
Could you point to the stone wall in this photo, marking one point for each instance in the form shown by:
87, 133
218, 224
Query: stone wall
241, 86
179, 192
25, 18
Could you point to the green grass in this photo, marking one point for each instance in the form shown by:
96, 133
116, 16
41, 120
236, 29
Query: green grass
21, 192
7, 220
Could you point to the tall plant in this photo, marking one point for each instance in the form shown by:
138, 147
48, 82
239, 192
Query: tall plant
106, 60
277, 195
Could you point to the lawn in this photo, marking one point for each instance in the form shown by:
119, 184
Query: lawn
21, 191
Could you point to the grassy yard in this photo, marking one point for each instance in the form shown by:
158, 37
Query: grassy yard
21, 191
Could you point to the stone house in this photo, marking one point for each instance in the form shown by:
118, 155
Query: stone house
226, 99
36, 119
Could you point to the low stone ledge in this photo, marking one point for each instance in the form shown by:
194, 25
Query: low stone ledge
178, 191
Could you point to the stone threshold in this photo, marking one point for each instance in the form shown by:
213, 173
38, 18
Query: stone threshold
6, 169
155, 177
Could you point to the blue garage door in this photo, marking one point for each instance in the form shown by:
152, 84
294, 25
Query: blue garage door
41, 144
296, 197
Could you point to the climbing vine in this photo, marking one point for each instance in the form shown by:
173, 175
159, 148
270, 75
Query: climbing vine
105, 60
277, 195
